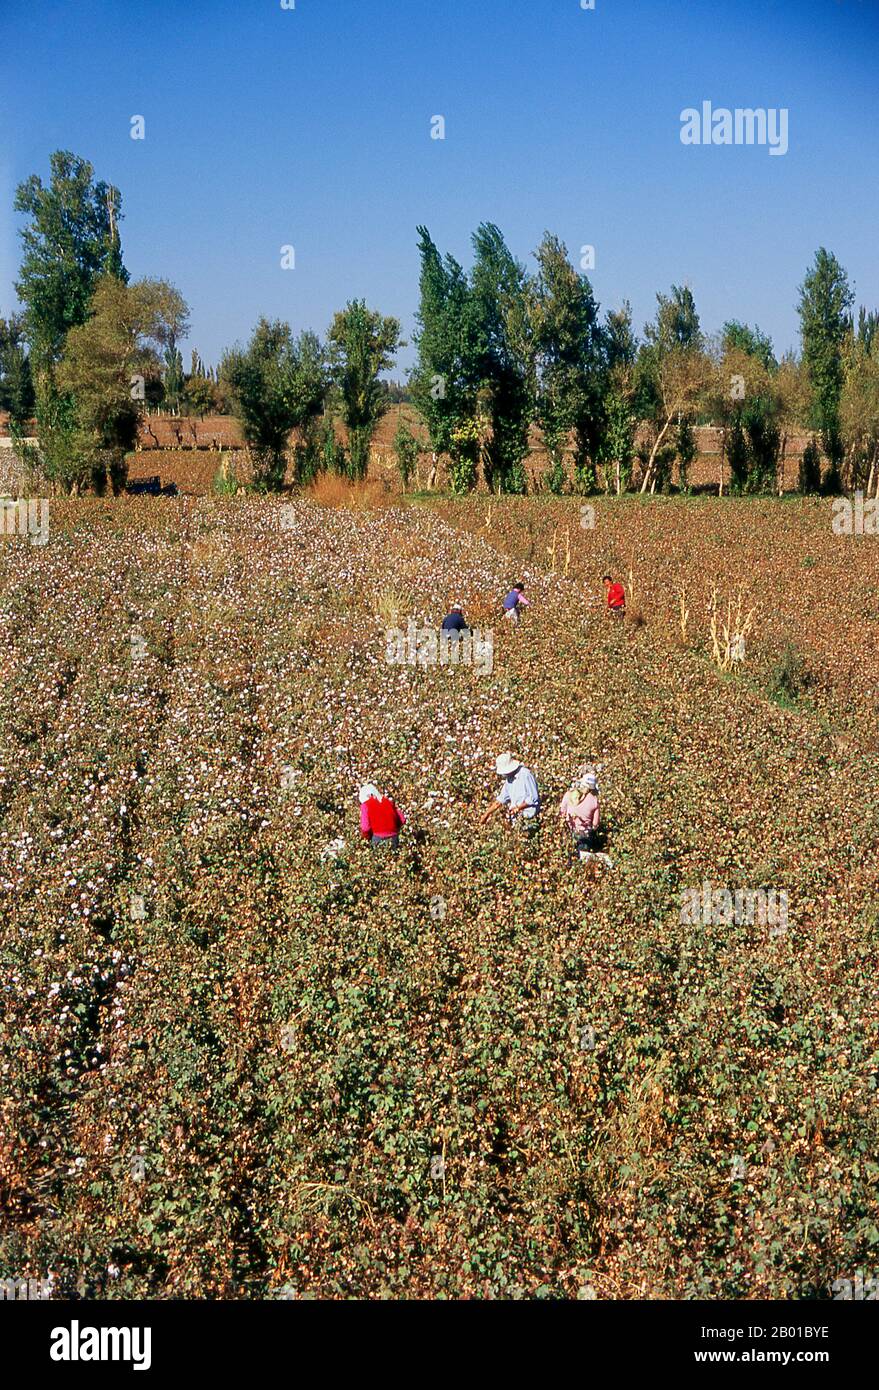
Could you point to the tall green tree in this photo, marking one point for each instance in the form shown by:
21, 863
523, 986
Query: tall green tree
407, 450
570, 361
671, 375
173, 379
16, 382
737, 456
499, 290
362, 344
760, 417
276, 384
445, 382
70, 240
825, 300
753, 414
616, 451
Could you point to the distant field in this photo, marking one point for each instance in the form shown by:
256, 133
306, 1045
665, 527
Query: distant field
234, 1066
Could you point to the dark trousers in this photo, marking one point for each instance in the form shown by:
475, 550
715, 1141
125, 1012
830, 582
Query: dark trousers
385, 842
584, 841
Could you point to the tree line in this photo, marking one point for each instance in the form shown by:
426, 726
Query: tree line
501, 349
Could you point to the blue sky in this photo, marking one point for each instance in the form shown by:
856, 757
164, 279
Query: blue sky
311, 127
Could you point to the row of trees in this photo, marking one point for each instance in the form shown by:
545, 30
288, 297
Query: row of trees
499, 349
91, 350
281, 383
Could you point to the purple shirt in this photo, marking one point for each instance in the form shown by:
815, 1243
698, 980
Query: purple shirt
514, 598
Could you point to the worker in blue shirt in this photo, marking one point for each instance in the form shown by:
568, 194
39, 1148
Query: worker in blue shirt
518, 795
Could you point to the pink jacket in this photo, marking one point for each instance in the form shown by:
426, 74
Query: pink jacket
581, 814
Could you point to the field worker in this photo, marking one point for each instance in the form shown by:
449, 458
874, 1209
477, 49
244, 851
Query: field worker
518, 795
454, 623
514, 601
380, 820
580, 812
616, 597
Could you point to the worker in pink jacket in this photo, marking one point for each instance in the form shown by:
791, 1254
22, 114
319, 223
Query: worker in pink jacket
581, 813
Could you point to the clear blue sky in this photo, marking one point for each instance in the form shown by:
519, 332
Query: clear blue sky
311, 127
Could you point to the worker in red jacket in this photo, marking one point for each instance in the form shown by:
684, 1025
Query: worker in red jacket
380, 820
616, 597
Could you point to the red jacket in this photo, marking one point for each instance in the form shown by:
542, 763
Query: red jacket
380, 818
616, 596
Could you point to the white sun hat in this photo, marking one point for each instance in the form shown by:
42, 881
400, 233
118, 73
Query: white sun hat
506, 765
457, 608
367, 791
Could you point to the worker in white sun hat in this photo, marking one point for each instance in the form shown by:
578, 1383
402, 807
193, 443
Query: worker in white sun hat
518, 795
380, 819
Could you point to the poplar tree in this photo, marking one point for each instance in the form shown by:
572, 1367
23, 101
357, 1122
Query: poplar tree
671, 375
70, 240
499, 290
570, 361
451, 351
362, 345
824, 304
